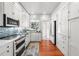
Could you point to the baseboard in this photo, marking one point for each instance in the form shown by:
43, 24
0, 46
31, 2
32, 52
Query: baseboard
51, 42
34, 41
27, 45
56, 47
59, 50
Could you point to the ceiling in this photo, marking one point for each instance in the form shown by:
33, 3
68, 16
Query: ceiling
40, 7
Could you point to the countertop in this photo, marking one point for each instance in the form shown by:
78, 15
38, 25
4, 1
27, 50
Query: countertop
8, 39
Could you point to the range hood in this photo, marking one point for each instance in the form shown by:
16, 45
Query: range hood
7, 21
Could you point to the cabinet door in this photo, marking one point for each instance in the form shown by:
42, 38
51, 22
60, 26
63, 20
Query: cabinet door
23, 19
9, 9
27, 40
1, 14
35, 36
32, 36
73, 10
39, 36
7, 49
17, 11
74, 37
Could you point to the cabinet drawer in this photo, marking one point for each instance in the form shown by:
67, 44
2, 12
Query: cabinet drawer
7, 49
7, 52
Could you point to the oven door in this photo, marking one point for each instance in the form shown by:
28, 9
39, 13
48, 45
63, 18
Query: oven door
19, 46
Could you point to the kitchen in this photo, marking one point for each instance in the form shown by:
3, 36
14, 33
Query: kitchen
27, 28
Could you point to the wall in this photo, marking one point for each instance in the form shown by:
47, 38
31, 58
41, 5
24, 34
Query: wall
61, 16
53, 18
45, 26
42, 18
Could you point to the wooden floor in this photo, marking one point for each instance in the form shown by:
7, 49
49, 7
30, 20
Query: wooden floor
46, 48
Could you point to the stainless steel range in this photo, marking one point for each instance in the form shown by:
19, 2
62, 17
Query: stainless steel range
19, 46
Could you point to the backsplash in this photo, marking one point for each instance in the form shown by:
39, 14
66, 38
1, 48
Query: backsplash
4, 31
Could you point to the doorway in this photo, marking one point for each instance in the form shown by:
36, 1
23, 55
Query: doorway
45, 30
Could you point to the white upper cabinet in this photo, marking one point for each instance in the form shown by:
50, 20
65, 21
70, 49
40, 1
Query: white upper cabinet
14, 11
1, 14
73, 10
9, 9
24, 22
23, 18
17, 11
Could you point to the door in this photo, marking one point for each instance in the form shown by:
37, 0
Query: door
45, 30
74, 37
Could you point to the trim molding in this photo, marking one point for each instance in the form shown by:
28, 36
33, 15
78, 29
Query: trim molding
24, 8
34, 41
73, 18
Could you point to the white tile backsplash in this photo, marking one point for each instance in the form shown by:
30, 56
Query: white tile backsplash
7, 31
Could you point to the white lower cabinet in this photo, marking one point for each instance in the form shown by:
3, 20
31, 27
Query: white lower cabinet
35, 36
7, 49
27, 40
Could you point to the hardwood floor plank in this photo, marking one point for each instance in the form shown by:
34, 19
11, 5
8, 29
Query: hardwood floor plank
47, 48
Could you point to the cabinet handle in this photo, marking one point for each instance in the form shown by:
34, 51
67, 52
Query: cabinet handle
7, 46
7, 50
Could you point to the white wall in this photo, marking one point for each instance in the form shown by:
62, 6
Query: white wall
44, 24
46, 30
61, 16
53, 18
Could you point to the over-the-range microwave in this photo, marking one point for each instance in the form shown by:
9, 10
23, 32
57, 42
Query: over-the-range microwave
7, 21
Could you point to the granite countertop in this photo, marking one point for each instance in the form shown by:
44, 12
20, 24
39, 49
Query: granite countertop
8, 39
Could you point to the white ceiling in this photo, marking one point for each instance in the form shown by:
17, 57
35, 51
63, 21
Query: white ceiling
40, 7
